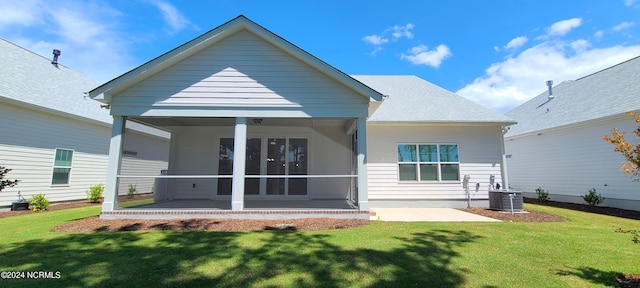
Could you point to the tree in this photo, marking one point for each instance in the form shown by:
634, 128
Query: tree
629, 151
5, 182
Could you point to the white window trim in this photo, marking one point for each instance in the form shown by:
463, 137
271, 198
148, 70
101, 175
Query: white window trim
418, 162
70, 167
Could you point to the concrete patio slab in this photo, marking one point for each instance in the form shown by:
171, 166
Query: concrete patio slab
426, 215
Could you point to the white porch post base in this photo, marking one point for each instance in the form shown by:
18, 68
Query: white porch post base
239, 155
363, 193
110, 202
237, 206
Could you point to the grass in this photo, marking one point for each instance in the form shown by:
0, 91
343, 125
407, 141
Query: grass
585, 252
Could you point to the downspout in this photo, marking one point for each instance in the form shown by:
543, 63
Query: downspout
503, 161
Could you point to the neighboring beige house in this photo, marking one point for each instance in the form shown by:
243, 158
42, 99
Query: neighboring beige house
55, 138
255, 119
557, 144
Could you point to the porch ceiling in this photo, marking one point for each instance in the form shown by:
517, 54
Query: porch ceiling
206, 121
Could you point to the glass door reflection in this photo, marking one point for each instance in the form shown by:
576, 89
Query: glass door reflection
276, 165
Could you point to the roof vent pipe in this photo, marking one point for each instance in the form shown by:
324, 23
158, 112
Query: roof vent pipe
56, 53
550, 84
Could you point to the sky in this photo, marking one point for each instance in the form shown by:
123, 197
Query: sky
498, 53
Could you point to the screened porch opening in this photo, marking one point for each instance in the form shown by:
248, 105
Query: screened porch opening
289, 163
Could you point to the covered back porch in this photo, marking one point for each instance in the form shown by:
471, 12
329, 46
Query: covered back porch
290, 168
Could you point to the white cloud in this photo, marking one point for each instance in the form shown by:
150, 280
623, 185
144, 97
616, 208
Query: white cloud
563, 27
421, 55
172, 16
623, 26
521, 77
375, 39
79, 29
402, 31
516, 42
598, 34
390, 34
630, 2
20, 13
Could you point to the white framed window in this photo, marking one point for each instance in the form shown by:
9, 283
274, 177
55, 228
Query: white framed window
62, 167
428, 162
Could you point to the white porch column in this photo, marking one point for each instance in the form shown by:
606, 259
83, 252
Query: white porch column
363, 193
110, 202
239, 155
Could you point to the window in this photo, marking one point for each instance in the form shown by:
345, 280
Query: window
62, 167
428, 162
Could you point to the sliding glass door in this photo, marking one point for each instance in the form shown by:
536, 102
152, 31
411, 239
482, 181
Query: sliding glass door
282, 157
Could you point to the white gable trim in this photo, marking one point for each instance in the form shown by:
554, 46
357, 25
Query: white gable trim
103, 93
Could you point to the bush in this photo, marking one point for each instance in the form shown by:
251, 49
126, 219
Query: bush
132, 191
5, 182
592, 198
95, 193
543, 195
39, 202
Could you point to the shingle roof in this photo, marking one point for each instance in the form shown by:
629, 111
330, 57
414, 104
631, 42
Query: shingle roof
412, 99
609, 92
31, 79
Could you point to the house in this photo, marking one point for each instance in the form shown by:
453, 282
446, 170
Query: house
557, 144
257, 123
55, 139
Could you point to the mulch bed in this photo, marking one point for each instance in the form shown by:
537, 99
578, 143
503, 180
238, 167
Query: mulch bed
93, 224
73, 204
526, 216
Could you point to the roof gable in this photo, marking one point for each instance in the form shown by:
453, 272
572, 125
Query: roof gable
104, 92
612, 91
242, 70
412, 99
29, 79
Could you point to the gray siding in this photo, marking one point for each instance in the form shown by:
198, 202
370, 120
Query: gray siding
31, 141
568, 162
152, 155
30, 152
479, 155
240, 71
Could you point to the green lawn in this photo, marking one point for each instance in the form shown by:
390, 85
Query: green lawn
585, 252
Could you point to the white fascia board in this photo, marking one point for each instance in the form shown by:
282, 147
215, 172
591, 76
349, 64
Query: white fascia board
614, 117
343, 112
438, 123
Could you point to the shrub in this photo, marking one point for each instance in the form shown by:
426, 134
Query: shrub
6, 182
592, 198
543, 195
132, 190
94, 194
39, 202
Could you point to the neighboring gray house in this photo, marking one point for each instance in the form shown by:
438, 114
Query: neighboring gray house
557, 143
55, 138
258, 123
